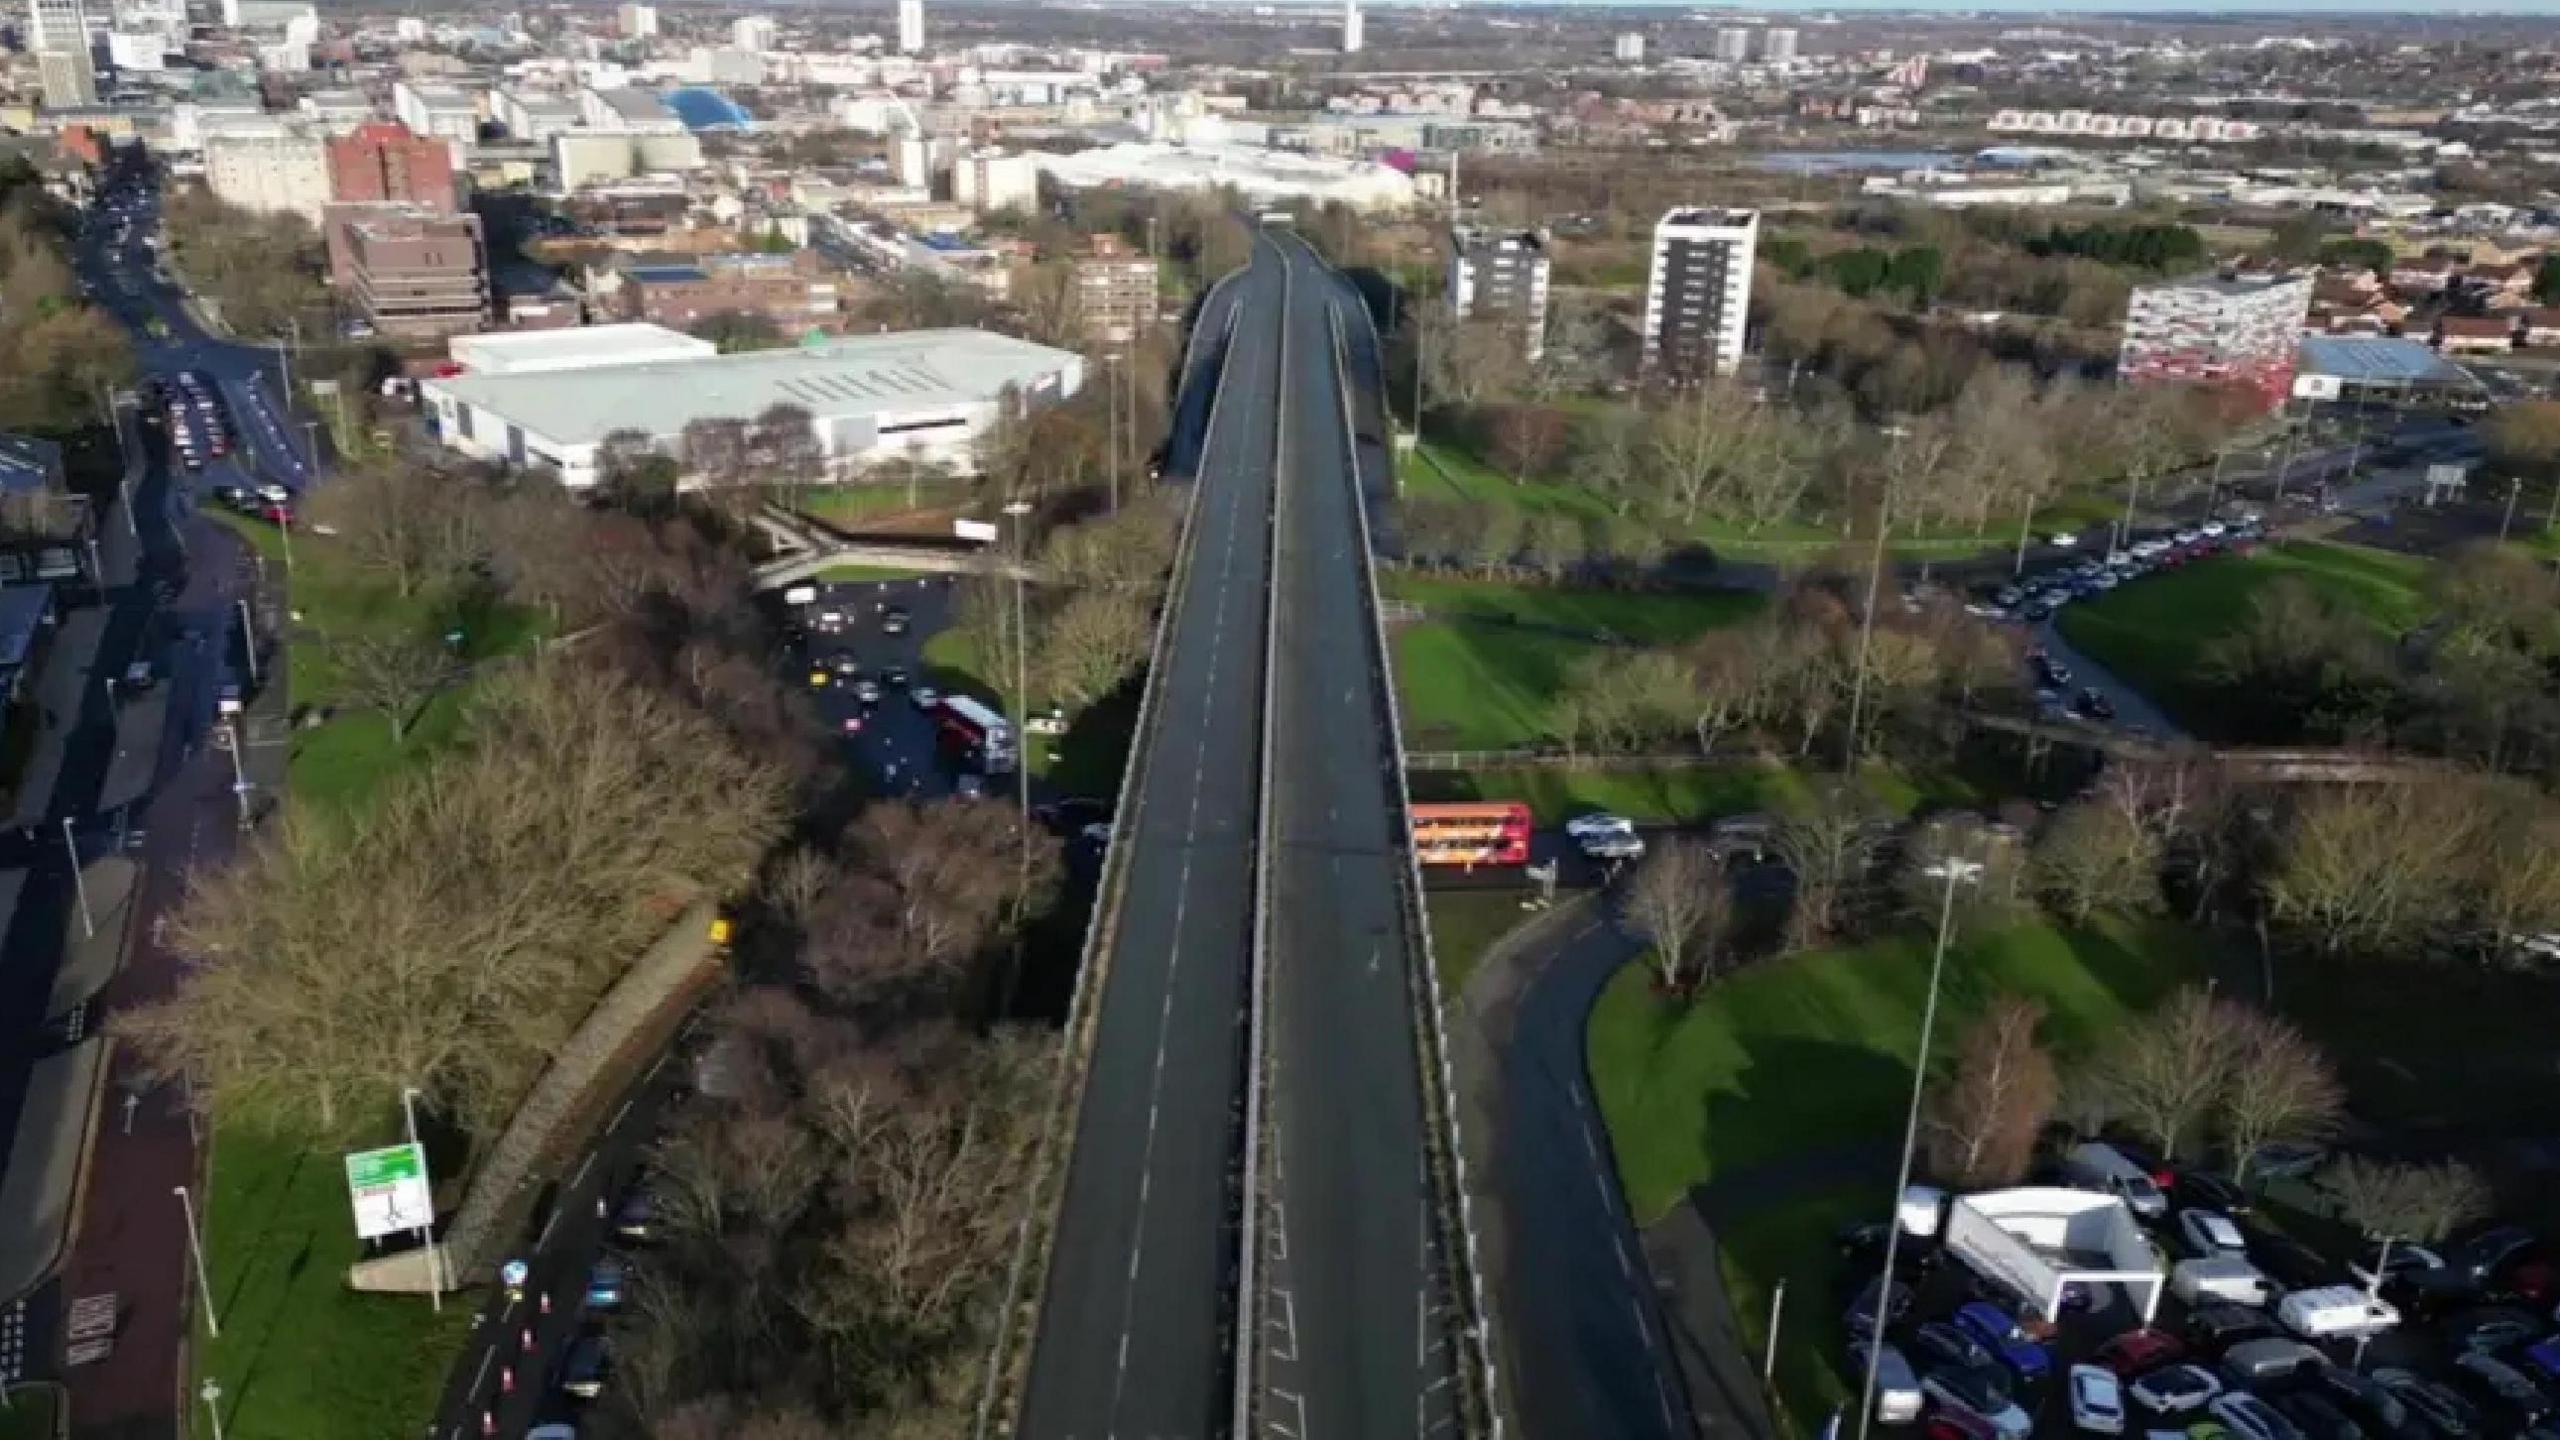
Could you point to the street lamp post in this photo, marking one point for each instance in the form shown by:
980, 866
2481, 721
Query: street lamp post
426, 1232
1021, 681
79, 883
240, 786
212, 1395
1875, 583
1955, 872
204, 1281
249, 639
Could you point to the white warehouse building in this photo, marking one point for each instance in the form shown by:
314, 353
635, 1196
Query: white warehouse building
921, 395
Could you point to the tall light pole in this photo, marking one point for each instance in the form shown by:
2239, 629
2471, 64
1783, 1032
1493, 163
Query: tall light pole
240, 786
204, 1280
212, 1396
426, 1232
1955, 872
1021, 680
1875, 582
79, 882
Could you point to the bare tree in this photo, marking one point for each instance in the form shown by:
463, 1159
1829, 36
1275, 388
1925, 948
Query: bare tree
2166, 1076
416, 527
1828, 842
1677, 893
1093, 643
2419, 1203
393, 671
2377, 865
2279, 1088
2097, 857
1983, 1125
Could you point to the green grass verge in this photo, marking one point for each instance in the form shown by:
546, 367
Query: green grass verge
1793, 1244
333, 596
867, 503
1483, 671
301, 1356
856, 574
1813, 1051
32, 1412
1463, 475
2154, 634
1465, 924
1088, 759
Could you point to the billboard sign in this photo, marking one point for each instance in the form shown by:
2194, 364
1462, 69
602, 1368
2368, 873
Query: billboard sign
390, 1191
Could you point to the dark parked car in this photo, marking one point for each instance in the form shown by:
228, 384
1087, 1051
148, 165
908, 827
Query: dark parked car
2136, 1351
2501, 1390
1066, 817
2205, 1190
1938, 1345
2317, 1418
2365, 1398
2492, 1328
589, 1365
2290, 1263
2483, 1257
2444, 1413
2219, 1325
2094, 705
635, 1216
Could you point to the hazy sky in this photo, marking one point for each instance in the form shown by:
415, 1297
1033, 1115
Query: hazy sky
2147, 7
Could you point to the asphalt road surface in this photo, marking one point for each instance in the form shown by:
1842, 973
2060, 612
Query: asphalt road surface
1134, 1332
1354, 1334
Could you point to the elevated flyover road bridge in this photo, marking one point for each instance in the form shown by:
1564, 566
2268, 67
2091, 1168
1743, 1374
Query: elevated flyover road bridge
1135, 1326
1257, 1232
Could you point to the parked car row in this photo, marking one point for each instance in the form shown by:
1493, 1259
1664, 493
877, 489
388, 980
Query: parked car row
2036, 597
2258, 1338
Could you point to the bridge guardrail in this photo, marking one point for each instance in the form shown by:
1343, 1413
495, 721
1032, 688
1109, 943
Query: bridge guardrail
1006, 1365
1480, 1409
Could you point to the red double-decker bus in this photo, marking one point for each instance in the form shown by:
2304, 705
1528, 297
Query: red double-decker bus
1471, 833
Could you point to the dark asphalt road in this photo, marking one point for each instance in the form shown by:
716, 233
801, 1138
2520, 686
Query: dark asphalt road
1354, 1334
1588, 1354
1134, 1327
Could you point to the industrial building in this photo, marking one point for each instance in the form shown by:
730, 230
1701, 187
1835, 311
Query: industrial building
533, 115
443, 112
58, 32
1501, 275
579, 348
271, 172
2239, 331
991, 180
1697, 292
922, 395
793, 293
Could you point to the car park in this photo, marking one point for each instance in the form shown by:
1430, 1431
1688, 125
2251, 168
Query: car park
2250, 1417
1897, 1388
2316, 1418
1938, 1344
2210, 1232
2218, 1325
1980, 1394
1860, 1318
2332, 1312
2101, 1167
2097, 1400
2398, 1263
2136, 1351
2224, 1277
2176, 1389
1998, 1331
2434, 1404
2500, 1390
2368, 1400
2255, 1362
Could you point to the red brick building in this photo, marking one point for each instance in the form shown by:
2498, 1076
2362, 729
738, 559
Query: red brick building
384, 163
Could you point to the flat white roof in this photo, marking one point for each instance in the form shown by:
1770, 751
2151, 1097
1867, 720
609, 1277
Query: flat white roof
575, 347
901, 373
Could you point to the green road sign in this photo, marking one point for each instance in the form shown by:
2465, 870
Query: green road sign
389, 1190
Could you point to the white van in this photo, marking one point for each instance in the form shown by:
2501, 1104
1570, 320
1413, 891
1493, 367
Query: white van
2221, 1277
2105, 1168
1898, 1398
2335, 1311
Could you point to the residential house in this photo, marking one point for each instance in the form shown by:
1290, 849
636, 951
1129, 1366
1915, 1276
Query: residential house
2425, 275
2475, 335
2542, 326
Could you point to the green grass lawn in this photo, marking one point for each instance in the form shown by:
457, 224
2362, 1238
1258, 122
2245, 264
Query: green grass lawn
1483, 670
32, 1412
866, 503
1088, 759
1465, 476
342, 760
1464, 925
1813, 1051
2154, 633
863, 574
301, 1356
1794, 1244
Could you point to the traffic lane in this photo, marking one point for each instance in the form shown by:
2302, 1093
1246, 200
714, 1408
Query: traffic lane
1588, 1356
1368, 1342
508, 1376
2135, 711
1134, 1324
